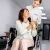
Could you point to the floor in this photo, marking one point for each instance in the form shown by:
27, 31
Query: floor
45, 45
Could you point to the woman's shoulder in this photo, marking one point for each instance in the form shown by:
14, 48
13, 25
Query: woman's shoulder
18, 21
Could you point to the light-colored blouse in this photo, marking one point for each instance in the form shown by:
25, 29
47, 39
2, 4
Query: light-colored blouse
23, 32
35, 13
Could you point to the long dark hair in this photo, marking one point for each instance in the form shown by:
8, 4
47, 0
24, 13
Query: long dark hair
20, 16
29, 19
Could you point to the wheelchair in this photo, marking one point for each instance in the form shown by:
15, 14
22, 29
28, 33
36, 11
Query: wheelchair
6, 41
36, 39
11, 37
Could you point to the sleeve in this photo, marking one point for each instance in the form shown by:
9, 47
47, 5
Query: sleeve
20, 28
39, 17
34, 33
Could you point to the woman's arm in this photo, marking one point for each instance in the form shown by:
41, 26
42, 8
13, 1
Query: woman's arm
29, 27
20, 28
34, 24
39, 17
34, 30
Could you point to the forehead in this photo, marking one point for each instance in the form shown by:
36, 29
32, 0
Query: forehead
26, 10
36, 1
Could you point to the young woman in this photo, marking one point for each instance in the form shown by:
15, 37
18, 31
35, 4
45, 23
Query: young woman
24, 37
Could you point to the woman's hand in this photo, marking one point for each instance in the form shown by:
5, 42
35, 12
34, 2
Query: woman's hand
34, 24
29, 27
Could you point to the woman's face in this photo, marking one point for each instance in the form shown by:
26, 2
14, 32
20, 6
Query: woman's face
26, 14
36, 4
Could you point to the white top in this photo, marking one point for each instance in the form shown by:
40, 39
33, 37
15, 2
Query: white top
23, 32
35, 13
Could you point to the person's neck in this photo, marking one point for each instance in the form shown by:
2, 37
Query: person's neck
25, 20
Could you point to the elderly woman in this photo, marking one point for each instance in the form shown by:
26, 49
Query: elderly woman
25, 30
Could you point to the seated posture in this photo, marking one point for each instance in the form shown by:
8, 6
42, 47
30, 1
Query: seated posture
25, 31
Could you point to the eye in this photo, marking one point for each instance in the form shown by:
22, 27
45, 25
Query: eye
34, 2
